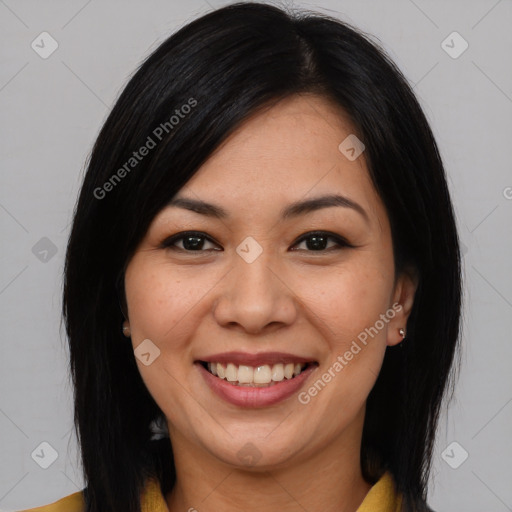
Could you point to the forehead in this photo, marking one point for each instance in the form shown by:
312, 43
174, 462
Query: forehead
285, 152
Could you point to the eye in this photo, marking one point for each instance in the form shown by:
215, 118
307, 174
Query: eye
317, 241
193, 241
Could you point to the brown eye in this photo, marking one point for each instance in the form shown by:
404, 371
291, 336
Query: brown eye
318, 241
192, 241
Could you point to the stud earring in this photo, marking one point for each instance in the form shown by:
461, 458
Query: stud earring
402, 332
126, 330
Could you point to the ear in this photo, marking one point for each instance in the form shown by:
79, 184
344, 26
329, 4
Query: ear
403, 300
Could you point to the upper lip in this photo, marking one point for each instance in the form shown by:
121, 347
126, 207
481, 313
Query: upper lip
262, 358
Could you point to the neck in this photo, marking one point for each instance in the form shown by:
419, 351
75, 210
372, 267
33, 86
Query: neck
329, 480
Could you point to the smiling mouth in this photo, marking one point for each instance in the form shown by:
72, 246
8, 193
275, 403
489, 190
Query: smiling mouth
258, 376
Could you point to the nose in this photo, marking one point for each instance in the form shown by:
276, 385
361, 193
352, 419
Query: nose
254, 298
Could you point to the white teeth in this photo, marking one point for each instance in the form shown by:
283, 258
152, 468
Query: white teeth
231, 373
260, 375
245, 374
288, 370
278, 372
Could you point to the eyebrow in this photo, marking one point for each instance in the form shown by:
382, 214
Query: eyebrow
292, 210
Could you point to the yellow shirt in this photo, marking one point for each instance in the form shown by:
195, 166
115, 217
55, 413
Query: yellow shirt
380, 498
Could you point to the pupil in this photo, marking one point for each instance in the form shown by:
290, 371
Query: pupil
315, 242
197, 242
316, 245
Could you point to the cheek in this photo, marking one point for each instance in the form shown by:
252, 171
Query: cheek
346, 308
348, 299
161, 307
159, 298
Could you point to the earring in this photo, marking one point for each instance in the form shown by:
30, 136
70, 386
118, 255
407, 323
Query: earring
126, 330
402, 332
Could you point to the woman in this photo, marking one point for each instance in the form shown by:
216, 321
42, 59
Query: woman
264, 262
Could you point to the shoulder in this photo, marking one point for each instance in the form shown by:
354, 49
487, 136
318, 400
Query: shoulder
72, 503
152, 501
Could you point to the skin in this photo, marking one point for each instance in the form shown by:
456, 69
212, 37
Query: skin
292, 298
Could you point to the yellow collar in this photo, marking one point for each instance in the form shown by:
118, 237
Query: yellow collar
382, 497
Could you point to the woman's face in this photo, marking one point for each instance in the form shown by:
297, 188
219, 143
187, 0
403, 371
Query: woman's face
256, 291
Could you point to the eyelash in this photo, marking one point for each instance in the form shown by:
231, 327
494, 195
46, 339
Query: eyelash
168, 243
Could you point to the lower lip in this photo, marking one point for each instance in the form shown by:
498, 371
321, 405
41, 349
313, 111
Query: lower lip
246, 396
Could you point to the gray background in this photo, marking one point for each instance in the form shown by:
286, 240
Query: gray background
52, 110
